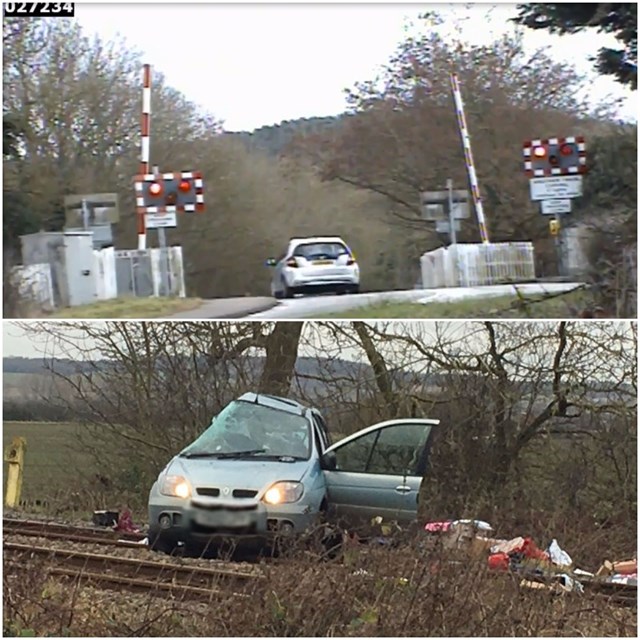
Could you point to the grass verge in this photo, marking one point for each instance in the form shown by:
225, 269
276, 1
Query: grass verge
509, 306
52, 462
130, 307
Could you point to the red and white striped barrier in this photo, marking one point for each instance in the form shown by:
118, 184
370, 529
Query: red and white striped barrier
145, 140
468, 157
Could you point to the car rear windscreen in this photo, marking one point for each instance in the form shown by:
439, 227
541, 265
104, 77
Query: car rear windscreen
321, 250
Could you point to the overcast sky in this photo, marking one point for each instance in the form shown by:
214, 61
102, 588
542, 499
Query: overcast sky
16, 343
258, 64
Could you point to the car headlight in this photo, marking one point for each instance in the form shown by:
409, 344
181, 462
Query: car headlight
282, 492
176, 486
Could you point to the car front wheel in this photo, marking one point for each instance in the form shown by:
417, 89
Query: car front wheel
161, 544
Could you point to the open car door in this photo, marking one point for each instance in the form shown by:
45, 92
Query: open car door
378, 472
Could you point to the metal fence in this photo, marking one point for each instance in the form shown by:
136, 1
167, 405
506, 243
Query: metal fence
134, 275
140, 272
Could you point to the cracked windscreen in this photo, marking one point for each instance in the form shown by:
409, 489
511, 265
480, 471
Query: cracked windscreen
245, 429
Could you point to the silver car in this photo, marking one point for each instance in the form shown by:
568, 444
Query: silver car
314, 265
264, 467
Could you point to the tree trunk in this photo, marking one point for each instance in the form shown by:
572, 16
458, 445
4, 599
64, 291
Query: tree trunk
282, 353
379, 366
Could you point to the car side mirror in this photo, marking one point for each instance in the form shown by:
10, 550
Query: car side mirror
328, 461
270, 262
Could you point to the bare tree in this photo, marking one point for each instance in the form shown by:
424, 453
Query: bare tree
144, 390
524, 406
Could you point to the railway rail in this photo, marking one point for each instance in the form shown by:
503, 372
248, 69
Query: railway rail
71, 533
131, 573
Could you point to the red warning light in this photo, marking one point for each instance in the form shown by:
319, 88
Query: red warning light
539, 152
566, 150
155, 189
184, 186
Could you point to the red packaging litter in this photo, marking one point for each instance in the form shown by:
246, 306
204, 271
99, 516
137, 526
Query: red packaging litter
499, 562
531, 550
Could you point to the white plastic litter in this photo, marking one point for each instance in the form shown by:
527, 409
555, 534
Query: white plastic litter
570, 584
481, 525
618, 578
558, 556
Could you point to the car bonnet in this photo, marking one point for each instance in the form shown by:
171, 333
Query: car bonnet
237, 474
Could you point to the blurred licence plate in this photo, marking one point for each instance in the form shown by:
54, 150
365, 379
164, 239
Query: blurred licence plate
223, 518
322, 262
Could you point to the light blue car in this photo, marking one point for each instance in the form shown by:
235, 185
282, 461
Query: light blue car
265, 467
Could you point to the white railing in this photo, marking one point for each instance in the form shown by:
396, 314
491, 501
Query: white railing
473, 265
175, 271
105, 273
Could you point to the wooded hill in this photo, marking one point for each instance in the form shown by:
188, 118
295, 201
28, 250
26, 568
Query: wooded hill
358, 176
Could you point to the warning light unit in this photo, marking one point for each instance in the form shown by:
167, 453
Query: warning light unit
555, 157
169, 193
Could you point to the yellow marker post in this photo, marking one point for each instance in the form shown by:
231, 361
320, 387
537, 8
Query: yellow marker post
14, 456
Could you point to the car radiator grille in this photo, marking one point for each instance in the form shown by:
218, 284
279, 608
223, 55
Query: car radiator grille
214, 492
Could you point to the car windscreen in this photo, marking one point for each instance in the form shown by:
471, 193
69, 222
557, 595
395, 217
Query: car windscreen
320, 250
257, 430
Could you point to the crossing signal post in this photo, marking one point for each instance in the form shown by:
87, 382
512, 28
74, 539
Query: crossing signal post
555, 168
160, 197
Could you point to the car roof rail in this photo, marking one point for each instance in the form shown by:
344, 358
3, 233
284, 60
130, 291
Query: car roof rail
252, 396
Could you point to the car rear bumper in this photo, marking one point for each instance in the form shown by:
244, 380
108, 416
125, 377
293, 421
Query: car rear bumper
298, 279
325, 288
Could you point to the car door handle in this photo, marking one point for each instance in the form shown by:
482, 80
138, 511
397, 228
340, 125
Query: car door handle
403, 488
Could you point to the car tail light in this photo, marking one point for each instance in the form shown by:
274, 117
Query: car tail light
291, 262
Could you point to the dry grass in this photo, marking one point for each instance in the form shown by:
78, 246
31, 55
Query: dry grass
365, 592
130, 307
564, 306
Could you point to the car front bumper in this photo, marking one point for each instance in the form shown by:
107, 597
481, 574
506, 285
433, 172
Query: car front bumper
179, 521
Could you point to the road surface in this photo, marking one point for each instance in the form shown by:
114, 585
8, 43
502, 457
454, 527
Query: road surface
311, 306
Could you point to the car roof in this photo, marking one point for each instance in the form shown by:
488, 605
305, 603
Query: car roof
275, 402
317, 239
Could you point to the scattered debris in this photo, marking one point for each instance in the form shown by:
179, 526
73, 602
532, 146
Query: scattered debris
619, 572
105, 518
125, 523
550, 569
